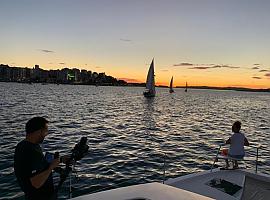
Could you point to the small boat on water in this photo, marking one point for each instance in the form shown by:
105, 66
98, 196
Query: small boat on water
171, 85
186, 87
218, 183
150, 82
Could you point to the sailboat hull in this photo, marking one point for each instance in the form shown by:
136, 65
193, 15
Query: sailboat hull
148, 94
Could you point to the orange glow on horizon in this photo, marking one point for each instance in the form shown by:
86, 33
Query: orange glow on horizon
183, 84
181, 76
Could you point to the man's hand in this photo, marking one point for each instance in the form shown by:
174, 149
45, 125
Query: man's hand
38, 180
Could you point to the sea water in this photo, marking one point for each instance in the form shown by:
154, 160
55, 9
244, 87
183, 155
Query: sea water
132, 139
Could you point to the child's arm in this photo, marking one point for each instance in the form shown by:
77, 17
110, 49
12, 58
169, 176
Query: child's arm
246, 142
228, 141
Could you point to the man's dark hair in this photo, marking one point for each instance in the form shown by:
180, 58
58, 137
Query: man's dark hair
35, 124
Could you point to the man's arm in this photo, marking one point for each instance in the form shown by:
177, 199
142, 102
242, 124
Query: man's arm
38, 180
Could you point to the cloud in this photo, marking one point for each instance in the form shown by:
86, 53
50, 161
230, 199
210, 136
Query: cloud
224, 66
263, 70
267, 75
199, 68
183, 64
256, 64
215, 67
125, 40
255, 68
164, 70
45, 51
204, 64
62, 63
256, 77
130, 80
98, 67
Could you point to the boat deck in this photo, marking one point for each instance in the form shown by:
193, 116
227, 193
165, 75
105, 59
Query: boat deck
199, 183
149, 191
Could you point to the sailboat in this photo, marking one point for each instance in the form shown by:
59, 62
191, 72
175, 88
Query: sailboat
150, 82
171, 85
186, 87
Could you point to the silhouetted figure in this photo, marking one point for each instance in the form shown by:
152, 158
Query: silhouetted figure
33, 171
237, 142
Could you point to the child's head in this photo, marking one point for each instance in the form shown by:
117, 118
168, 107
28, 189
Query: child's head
236, 127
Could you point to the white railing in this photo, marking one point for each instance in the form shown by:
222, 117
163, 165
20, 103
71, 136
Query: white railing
219, 156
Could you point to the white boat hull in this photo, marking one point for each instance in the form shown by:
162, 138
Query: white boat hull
149, 191
193, 187
197, 183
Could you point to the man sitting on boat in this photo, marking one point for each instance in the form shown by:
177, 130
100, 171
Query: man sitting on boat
237, 142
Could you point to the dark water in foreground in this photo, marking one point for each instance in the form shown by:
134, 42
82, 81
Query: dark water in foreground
128, 134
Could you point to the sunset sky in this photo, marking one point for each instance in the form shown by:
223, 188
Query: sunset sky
203, 42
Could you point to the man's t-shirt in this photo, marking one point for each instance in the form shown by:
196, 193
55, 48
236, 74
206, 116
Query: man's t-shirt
28, 162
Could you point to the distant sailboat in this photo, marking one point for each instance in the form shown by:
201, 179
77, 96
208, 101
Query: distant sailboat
171, 85
186, 87
150, 82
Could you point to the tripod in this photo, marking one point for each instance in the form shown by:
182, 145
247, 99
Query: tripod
64, 174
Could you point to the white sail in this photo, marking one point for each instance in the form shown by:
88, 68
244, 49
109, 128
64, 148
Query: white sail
171, 85
150, 82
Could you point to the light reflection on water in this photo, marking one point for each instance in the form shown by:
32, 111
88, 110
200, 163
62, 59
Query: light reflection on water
127, 133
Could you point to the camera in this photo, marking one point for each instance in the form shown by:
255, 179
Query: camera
80, 149
77, 153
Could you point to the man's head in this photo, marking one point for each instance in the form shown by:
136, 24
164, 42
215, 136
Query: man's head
37, 128
236, 127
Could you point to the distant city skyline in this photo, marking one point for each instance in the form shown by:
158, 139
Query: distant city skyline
206, 43
57, 76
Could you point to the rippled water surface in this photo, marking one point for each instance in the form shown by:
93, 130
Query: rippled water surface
129, 136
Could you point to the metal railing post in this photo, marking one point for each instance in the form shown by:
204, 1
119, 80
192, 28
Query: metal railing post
70, 182
164, 168
257, 156
216, 157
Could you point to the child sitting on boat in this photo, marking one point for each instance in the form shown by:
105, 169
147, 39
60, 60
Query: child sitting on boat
237, 142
